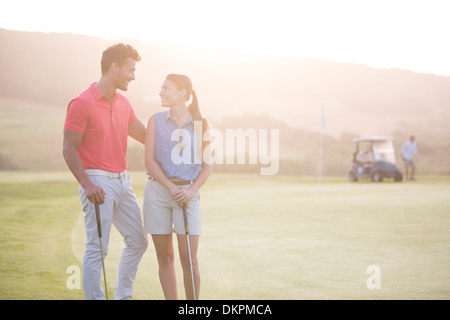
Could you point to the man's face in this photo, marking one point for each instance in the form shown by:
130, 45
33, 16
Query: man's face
125, 74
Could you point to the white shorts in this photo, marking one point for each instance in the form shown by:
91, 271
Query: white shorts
162, 215
409, 163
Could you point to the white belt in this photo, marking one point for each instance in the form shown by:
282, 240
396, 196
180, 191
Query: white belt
111, 175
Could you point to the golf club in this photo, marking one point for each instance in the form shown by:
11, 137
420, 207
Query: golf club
99, 229
186, 226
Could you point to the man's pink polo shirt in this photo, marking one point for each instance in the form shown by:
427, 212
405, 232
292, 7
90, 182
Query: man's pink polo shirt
104, 126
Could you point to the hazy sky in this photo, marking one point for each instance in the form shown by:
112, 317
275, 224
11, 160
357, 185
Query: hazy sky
406, 34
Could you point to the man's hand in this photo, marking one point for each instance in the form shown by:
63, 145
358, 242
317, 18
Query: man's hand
94, 193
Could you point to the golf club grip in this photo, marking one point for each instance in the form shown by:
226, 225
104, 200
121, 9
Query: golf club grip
186, 225
97, 215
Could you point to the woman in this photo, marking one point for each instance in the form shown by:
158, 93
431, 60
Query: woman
172, 135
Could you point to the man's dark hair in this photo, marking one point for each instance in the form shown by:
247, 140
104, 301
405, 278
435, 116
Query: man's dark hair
118, 53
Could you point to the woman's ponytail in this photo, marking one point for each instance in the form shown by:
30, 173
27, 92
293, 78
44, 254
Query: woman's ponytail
194, 110
183, 82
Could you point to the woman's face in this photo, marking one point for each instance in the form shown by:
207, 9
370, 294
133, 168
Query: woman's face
171, 95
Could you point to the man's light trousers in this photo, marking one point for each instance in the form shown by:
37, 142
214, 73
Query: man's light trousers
121, 209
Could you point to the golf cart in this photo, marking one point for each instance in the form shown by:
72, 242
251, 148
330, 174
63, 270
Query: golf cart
374, 158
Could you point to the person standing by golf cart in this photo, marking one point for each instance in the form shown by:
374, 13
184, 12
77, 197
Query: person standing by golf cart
173, 183
409, 152
97, 125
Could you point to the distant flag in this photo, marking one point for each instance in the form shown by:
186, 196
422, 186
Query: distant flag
321, 148
323, 117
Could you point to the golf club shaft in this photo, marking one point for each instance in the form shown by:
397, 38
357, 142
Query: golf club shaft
99, 229
189, 248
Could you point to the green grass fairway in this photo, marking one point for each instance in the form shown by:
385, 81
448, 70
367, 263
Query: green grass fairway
264, 237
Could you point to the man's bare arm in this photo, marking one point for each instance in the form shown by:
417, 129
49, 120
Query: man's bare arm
72, 141
137, 131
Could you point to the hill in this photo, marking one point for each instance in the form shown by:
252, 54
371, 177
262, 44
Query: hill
44, 71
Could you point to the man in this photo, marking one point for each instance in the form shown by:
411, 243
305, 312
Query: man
96, 129
409, 151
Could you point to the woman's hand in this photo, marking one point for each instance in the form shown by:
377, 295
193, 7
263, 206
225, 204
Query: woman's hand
182, 195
